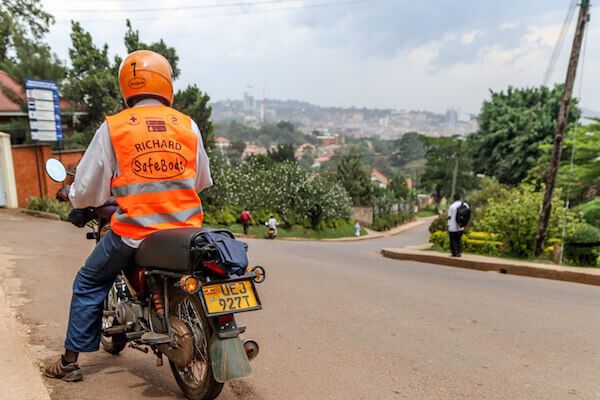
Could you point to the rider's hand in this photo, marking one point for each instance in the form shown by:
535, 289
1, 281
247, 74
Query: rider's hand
63, 193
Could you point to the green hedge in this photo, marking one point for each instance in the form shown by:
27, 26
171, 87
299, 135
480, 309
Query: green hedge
388, 221
576, 250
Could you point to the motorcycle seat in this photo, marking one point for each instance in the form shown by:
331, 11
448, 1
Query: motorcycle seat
170, 249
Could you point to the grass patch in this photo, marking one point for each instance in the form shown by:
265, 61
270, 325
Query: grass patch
296, 231
425, 213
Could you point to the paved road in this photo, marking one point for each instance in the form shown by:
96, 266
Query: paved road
341, 322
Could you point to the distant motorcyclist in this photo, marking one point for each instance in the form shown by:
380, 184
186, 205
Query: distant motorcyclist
272, 223
150, 157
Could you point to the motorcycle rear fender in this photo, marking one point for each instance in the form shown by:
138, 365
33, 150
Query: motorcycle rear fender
228, 358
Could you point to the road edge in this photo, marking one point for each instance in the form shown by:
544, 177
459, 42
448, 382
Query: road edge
482, 263
20, 378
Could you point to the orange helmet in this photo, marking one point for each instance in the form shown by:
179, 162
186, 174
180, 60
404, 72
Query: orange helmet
145, 73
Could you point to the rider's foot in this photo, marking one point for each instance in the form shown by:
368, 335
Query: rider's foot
69, 372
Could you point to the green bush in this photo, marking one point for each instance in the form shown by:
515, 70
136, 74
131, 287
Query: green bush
591, 215
439, 224
384, 222
220, 215
485, 247
515, 219
481, 235
438, 238
49, 204
581, 247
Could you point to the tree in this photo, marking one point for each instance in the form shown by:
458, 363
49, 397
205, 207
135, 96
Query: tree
235, 151
585, 178
439, 168
282, 153
399, 187
21, 18
408, 148
91, 81
191, 101
354, 179
512, 126
32, 59
307, 160
132, 43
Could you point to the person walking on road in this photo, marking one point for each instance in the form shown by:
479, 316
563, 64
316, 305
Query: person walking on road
458, 218
121, 161
246, 218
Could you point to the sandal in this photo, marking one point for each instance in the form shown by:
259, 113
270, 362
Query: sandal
70, 372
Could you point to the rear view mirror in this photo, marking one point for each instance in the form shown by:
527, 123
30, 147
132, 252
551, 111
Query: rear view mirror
56, 170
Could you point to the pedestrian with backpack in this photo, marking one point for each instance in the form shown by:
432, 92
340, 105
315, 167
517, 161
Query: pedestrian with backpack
459, 215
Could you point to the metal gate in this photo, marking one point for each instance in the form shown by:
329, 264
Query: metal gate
2, 191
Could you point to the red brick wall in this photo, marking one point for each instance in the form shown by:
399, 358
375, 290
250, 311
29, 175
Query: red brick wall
26, 172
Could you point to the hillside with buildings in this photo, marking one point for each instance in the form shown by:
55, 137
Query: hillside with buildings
356, 122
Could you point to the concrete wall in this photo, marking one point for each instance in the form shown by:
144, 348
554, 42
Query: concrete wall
26, 174
364, 215
8, 174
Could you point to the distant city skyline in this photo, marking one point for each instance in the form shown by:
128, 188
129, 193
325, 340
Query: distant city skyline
396, 54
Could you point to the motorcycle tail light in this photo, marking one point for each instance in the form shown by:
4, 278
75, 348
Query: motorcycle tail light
225, 318
212, 265
189, 283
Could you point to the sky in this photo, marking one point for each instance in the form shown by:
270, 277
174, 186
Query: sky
416, 55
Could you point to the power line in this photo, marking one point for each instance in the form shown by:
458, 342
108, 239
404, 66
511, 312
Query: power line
248, 12
559, 43
205, 6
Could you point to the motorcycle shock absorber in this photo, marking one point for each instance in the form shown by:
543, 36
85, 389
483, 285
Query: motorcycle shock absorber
157, 296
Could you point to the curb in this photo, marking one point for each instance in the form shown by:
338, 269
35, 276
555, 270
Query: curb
40, 214
586, 276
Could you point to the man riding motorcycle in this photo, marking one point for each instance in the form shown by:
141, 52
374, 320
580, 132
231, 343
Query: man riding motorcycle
151, 158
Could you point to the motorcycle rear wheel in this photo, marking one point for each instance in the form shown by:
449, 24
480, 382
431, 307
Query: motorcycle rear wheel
195, 379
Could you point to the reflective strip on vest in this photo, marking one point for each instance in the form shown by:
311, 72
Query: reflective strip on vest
157, 219
152, 187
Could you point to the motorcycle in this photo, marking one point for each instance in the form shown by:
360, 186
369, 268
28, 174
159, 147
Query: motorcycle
270, 232
178, 301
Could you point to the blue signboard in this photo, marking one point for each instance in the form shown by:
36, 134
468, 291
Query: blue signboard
44, 110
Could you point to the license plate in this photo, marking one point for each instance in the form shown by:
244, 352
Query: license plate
230, 297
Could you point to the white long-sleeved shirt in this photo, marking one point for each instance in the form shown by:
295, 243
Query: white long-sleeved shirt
452, 224
98, 166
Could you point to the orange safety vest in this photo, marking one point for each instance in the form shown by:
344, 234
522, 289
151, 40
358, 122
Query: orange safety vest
156, 152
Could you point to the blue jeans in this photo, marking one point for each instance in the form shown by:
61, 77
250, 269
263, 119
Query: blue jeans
91, 286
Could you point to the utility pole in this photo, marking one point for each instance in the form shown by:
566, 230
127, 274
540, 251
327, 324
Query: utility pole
561, 126
456, 162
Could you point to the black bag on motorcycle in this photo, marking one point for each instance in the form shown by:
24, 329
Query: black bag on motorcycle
229, 254
183, 250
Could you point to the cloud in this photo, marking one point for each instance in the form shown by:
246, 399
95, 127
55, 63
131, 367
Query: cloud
382, 53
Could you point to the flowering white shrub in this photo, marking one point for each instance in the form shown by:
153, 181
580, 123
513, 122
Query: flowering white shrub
284, 188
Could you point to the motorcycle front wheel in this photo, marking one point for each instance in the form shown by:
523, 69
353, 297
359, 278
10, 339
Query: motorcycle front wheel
196, 378
110, 344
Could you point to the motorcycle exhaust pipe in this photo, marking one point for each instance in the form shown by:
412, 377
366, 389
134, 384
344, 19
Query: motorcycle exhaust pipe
251, 348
